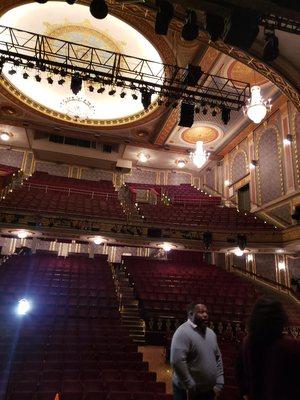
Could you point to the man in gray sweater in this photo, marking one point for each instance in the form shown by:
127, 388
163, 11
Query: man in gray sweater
196, 358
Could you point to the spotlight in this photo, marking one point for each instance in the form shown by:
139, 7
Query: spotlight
204, 111
160, 102
112, 92
16, 63
38, 78
186, 115
101, 90
134, 96
146, 98
122, 95
76, 84
30, 64
194, 73
225, 115
190, 31
91, 88
12, 71
23, 307
71, 2
214, 26
55, 71
63, 73
25, 75
163, 17
214, 113
197, 110
41, 1
50, 80
61, 82
270, 51
99, 9
43, 68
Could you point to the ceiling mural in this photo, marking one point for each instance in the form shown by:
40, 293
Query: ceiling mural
75, 24
206, 134
240, 72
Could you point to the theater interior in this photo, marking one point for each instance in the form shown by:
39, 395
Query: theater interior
149, 158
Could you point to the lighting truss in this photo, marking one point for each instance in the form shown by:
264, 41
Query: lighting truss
281, 23
115, 69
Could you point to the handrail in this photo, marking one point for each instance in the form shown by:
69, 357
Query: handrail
30, 185
223, 198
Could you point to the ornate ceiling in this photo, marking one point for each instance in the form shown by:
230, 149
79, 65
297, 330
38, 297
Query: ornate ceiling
128, 30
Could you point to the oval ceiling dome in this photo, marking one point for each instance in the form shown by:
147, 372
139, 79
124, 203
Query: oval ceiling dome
75, 24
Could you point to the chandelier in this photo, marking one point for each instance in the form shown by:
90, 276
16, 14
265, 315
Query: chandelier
257, 107
77, 107
199, 156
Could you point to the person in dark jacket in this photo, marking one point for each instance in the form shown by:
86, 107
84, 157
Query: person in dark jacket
268, 365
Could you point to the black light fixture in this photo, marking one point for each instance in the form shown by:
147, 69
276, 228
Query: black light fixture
271, 49
204, 110
101, 89
194, 73
160, 102
134, 96
50, 80
214, 26
61, 81
112, 92
55, 71
163, 17
122, 94
38, 78
91, 88
12, 71
197, 110
99, 9
186, 115
16, 63
25, 75
214, 113
225, 115
76, 83
71, 2
41, 1
146, 98
190, 30
30, 64
63, 73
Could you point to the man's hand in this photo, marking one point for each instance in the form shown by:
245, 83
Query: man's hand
217, 393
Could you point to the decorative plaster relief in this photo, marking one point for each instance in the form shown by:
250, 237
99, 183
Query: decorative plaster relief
141, 176
51, 168
96, 174
239, 166
11, 157
265, 266
177, 178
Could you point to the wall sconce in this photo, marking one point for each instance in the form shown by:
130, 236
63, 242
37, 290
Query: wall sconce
253, 164
227, 183
250, 257
288, 140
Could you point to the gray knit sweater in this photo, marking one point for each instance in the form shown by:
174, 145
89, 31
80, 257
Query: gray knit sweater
196, 358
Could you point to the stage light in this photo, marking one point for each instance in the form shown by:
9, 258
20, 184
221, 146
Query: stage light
186, 115
55, 71
25, 75
190, 30
99, 9
134, 96
204, 111
38, 78
122, 95
76, 84
50, 80
197, 110
41, 1
194, 73
101, 90
63, 73
61, 82
146, 98
23, 307
160, 102
71, 2
214, 26
30, 64
271, 50
16, 63
225, 115
91, 88
112, 92
214, 113
12, 71
163, 17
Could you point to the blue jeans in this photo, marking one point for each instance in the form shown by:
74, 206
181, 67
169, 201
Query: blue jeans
181, 394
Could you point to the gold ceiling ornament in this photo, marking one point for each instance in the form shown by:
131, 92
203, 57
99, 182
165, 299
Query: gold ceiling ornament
205, 134
241, 72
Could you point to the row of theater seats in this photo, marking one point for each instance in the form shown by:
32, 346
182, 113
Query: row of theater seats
168, 286
191, 207
77, 355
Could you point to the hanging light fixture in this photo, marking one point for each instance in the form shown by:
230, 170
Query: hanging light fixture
199, 156
257, 107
